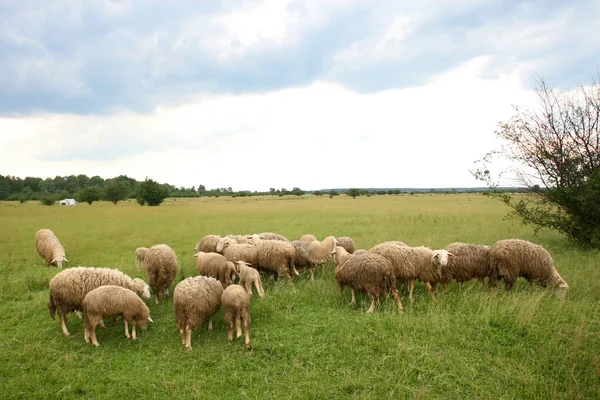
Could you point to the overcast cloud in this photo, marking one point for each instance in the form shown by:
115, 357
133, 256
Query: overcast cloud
277, 93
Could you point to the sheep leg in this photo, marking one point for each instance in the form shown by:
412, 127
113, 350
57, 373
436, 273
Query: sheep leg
445, 286
259, 289
410, 291
238, 325
397, 297
229, 320
102, 324
312, 269
210, 327
78, 313
133, 335
431, 291
182, 333
248, 285
247, 330
86, 334
127, 330
372, 308
92, 335
188, 338
63, 323
353, 301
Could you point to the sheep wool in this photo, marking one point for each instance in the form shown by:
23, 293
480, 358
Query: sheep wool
208, 244
195, 300
110, 300
236, 307
471, 261
69, 287
49, 248
140, 256
162, 268
249, 276
215, 265
340, 256
234, 251
347, 243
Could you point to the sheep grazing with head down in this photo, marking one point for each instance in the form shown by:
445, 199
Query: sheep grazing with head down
234, 251
208, 244
49, 248
195, 300
69, 287
111, 300
320, 252
470, 261
512, 258
275, 256
360, 251
412, 263
340, 256
215, 265
346, 242
308, 238
369, 273
236, 307
140, 256
249, 276
273, 236
162, 268
302, 259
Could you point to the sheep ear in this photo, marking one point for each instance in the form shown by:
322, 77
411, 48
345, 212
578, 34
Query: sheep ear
65, 259
150, 319
451, 255
436, 255
53, 260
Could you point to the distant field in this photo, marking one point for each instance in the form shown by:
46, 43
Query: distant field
307, 342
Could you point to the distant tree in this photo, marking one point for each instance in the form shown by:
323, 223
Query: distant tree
272, 191
201, 189
48, 200
152, 193
89, 194
318, 193
332, 193
353, 192
297, 191
116, 191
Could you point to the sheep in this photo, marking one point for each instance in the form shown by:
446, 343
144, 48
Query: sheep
273, 236
340, 256
112, 300
411, 263
69, 287
471, 261
234, 251
140, 255
215, 265
207, 244
249, 276
195, 300
302, 258
320, 252
240, 239
511, 258
370, 273
49, 248
360, 251
236, 305
162, 268
309, 238
346, 242
275, 256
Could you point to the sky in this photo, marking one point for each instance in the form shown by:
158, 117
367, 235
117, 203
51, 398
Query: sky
263, 94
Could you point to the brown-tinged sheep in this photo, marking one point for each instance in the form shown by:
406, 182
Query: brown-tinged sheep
195, 300
273, 236
320, 252
69, 287
208, 244
412, 263
302, 259
347, 243
162, 268
249, 276
111, 300
512, 258
360, 251
236, 306
369, 273
471, 261
277, 257
240, 239
215, 265
140, 256
340, 255
234, 251
49, 248
308, 238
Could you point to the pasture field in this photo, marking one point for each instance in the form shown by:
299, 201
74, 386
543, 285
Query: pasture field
307, 341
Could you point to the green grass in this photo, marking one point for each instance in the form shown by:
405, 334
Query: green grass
307, 341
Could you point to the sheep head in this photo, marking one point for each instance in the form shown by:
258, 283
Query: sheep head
58, 261
224, 243
441, 257
141, 288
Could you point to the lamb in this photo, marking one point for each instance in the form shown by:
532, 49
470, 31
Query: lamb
207, 244
512, 258
235, 252
347, 243
112, 300
471, 261
236, 305
69, 287
215, 265
140, 255
49, 248
370, 273
162, 268
249, 276
340, 256
195, 300
411, 263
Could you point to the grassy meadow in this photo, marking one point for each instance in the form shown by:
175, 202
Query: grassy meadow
307, 341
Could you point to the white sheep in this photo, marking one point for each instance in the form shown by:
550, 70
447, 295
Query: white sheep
49, 248
308, 238
215, 265
234, 251
273, 236
470, 261
302, 258
275, 256
347, 243
236, 306
69, 287
140, 256
249, 276
162, 268
320, 252
111, 300
512, 258
340, 255
195, 300
207, 244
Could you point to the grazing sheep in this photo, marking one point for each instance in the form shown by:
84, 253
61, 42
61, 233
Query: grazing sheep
49, 248
249, 276
411, 263
236, 306
240, 239
69, 287
208, 244
512, 258
215, 265
234, 251
471, 261
140, 255
195, 300
111, 300
162, 268
273, 236
369, 273
308, 238
340, 256
320, 252
347, 243
302, 258
277, 257
360, 251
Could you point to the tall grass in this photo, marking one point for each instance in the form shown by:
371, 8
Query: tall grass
307, 341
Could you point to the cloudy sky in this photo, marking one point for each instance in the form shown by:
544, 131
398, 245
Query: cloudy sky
277, 93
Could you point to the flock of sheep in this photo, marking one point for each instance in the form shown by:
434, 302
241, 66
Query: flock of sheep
221, 261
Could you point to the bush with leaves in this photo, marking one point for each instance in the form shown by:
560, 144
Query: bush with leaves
151, 193
116, 191
89, 194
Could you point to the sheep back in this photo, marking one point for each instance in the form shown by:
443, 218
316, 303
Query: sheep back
470, 261
215, 265
162, 268
196, 300
49, 248
347, 243
208, 244
276, 256
109, 300
369, 273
